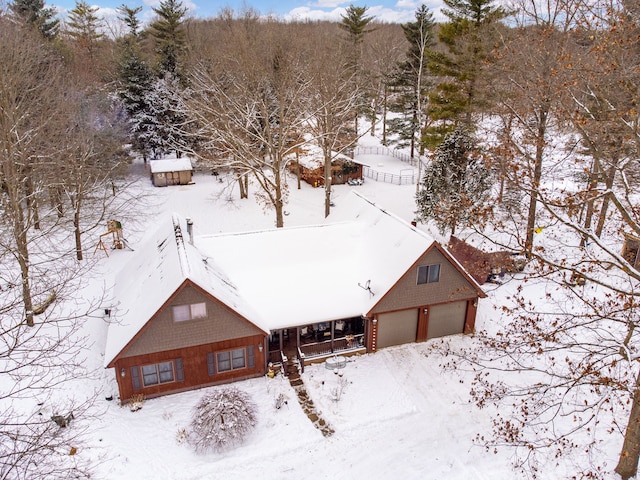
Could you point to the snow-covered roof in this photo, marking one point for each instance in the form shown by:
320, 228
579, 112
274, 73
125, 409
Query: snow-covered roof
275, 278
156, 270
170, 165
312, 274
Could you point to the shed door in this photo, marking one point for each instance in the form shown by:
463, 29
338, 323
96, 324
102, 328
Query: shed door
173, 178
397, 328
447, 319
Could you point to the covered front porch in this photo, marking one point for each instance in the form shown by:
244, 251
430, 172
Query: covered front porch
314, 342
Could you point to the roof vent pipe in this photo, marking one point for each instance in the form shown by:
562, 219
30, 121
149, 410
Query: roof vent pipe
190, 230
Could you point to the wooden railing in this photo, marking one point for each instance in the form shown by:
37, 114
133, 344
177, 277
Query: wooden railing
274, 357
328, 347
283, 359
301, 359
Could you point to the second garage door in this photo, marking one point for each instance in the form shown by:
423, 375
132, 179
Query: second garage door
447, 319
397, 328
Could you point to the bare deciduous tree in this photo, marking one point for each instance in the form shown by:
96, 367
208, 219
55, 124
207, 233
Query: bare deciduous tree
250, 107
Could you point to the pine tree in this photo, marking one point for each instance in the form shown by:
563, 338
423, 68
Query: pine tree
455, 184
135, 81
169, 36
160, 125
130, 17
464, 35
83, 25
355, 23
34, 13
410, 77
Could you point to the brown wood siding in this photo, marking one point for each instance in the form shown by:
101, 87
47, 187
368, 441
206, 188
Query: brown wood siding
164, 334
194, 363
406, 293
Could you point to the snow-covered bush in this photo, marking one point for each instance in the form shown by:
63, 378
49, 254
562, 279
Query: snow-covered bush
221, 420
136, 401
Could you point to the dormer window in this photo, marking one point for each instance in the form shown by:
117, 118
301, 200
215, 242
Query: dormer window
182, 313
428, 273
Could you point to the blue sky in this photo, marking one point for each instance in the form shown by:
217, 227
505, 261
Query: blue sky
384, 10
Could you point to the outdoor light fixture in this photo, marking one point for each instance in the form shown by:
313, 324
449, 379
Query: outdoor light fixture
123, 373
260, 347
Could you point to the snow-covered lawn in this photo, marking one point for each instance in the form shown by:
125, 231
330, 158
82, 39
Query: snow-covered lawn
399, 415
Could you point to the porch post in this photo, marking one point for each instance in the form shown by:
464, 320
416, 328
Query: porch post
333, 323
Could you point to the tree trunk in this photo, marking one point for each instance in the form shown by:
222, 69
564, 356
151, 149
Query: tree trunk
593, 184
611, 175
327, 184
298, 175
374, 116
56, 200
76, 227
535, 183
32, 202
23, 260
628, 461
414, 121
279, 204
384, 115
243, 192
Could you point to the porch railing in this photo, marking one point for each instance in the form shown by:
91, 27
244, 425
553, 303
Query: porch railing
328, 347
301, 357
283, 359
274, 357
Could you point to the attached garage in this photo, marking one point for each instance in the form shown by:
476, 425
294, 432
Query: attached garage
397, 328
446, 319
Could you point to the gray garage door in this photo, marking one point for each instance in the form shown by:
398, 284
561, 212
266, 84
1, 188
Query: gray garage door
447, 319
397, 328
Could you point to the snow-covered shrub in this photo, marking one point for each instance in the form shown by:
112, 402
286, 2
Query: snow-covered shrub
181, 435
136, 401
221, 420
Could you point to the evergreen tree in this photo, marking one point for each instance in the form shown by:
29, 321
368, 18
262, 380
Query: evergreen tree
83, 25
159, 127
464, 36
34, 13
130, 17
169, 36
355, 23
135, 81
455, 184
410, 77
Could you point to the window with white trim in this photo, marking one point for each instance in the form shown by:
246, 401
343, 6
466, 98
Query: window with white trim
428, 274
193, 311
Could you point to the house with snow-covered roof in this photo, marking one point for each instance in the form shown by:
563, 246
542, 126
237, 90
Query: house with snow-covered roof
197, 311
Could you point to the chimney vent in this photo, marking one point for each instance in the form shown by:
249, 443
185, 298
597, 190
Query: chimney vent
190, 230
